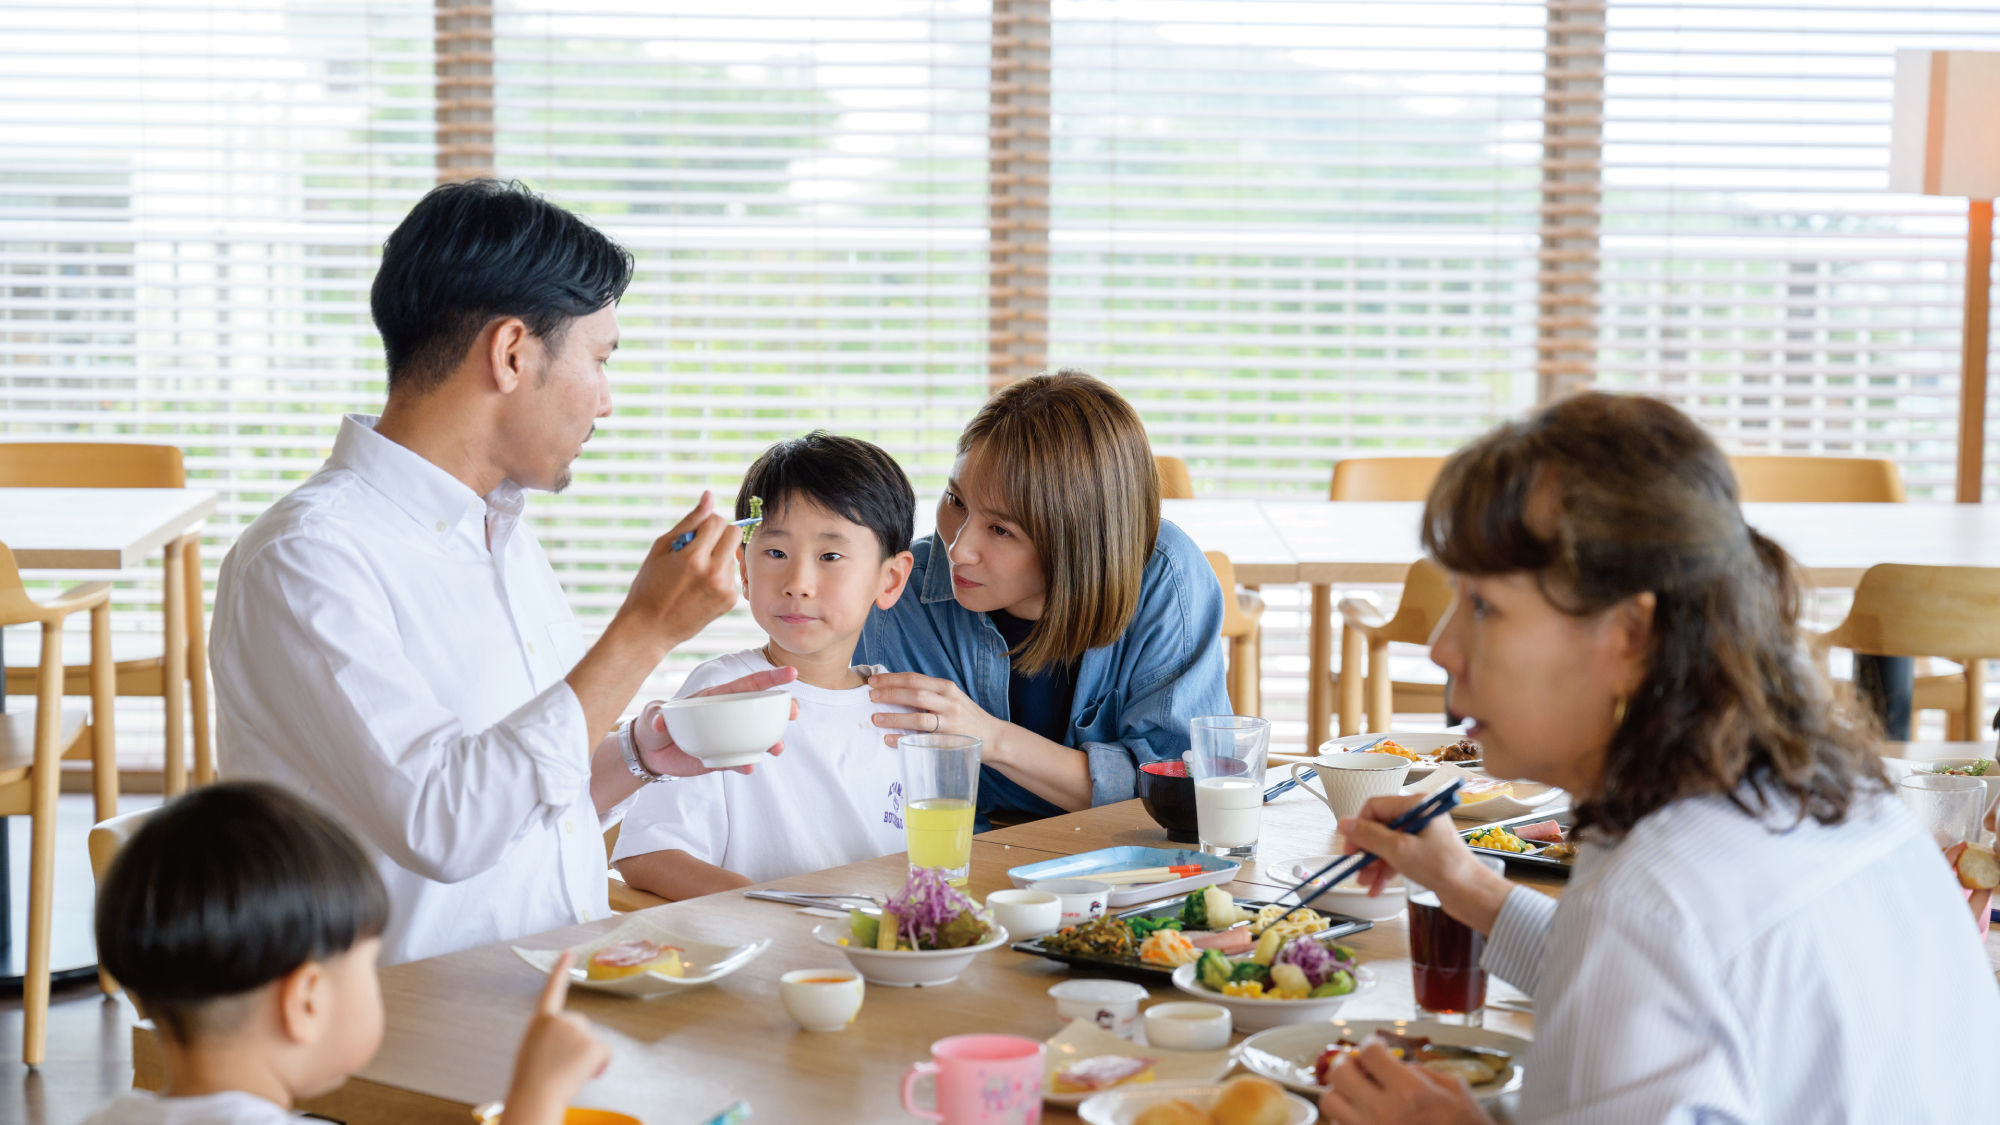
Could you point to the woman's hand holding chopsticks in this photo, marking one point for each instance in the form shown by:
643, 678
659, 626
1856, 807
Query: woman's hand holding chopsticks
1435, 858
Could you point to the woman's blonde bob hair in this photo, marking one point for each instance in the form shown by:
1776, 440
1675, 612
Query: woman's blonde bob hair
1066, 459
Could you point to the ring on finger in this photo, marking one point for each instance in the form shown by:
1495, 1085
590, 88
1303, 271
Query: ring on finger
934, 723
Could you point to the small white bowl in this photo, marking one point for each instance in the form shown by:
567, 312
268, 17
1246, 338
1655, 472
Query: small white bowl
1188, 1026
1255, 1014
906, 968
1110, 1004
1082, 899
1348, 896
728, 730
1026, 914
822, 999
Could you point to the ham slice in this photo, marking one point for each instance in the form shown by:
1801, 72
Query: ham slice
1541, 832
1231, 942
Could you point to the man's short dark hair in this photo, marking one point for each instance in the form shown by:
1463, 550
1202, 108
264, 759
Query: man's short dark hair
847, 476
225, 890
469, 253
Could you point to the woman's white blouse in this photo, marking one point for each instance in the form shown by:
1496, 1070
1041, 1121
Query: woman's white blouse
1708, 969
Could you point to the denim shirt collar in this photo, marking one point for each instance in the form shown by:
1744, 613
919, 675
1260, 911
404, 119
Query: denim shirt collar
937, 573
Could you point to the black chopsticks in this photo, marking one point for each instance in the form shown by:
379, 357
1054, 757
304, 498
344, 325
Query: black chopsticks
1413, 820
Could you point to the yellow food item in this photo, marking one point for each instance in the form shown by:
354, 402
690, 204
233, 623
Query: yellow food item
1288, 994
630, 958
1175, 1112
1250, 989
1389, 746
1499, 840
1168, 947
1247, 1100
1300, 922
1267, 916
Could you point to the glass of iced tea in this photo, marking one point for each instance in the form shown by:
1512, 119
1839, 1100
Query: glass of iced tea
1449, 981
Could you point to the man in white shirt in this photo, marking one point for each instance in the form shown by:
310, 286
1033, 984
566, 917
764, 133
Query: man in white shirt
391, 643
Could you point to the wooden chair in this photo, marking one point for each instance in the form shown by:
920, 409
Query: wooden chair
625, 897
184, 661
107, 838
1830, 480
1365, 641
32, 746
1175, 483
1947, 611
1241, 627
1384, 478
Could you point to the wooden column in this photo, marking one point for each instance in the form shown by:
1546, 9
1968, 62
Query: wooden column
1972, 354
464, 90
1018, 192
1572, 186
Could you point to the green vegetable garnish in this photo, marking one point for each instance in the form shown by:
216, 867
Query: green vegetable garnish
867, 928
1214, 969
1144, 927
1194, 912
1339, 984
1250, 970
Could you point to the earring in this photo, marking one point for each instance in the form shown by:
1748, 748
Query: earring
1618, 711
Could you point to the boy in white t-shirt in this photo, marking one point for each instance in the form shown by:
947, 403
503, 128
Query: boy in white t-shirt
834, 544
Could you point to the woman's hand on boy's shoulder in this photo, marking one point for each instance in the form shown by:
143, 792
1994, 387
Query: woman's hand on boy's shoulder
938, 707
558, 1055
656, 746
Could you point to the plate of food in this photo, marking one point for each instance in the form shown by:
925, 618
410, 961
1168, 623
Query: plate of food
1153, 941
1425, 751
1210, 870
1544, 842
1483, 797
641, 960
1084, 1059
1281, 981
925, 934
1243, 1100
1301, 1055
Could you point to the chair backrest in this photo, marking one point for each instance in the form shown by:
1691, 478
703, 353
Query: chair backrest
1828, 480
1426, 598
108, 836
1234, 622
16, 607
1175, 483
90, 464
1901, 610
1384, 478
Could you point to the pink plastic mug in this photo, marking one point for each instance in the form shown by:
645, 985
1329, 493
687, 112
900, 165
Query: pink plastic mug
981, 1080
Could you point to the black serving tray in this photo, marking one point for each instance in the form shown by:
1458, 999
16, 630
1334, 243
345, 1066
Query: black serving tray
1342, 925
1532, 859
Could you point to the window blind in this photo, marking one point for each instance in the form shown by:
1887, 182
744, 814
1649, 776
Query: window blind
1755, 270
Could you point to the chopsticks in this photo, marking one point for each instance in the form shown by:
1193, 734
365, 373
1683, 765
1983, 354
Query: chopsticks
687, 537
1146, 874
1412, 820
1286, 786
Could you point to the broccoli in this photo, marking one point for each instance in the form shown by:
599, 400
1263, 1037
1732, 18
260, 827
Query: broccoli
1213, 969
1145, 927
1339, 984
1194, 912
1251, 970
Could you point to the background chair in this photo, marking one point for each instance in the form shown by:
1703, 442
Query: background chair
1384, 478
32, 746
625, 897
1365, 641
181, 669
1175, 483
1828, 480
1947, 611
1241, 617
107, 839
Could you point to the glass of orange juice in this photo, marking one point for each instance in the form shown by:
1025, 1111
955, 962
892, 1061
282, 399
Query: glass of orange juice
940, 793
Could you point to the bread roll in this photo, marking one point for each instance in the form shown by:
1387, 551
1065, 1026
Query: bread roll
1978, 868
1248, 1100
1174, 1112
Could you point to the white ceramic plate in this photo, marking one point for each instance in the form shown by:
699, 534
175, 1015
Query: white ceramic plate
1348, 897
1421, 743
1122, 1105
704, 961
1523, 798
1287, 1054
1080, 1040
907, 968
1254, 1014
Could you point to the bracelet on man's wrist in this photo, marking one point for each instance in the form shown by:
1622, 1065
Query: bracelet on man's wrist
628, 745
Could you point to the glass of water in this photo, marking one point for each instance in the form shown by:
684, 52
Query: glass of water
1947, 805
1226, 758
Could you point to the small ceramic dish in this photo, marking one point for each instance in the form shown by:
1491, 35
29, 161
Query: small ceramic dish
728, 730
704, 962
1348, 896
1080, 1040
907, 968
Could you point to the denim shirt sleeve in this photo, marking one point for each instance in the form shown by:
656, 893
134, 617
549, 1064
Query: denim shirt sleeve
1165, 671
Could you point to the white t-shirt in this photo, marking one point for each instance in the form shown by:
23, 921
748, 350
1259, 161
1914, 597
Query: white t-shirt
834, 797
230, 1107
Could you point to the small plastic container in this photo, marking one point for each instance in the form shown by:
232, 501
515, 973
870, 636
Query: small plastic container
1110, 1004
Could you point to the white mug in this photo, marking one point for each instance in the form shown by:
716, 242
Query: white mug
1351, 778
1082, 899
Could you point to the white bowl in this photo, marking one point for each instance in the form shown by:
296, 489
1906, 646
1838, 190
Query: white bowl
1082, 899
1254, 1014
1122, 1105
728, 730
1026, 914
822, 999
1188, 1026
1110, 1004
1286, 1054
1348, 896
906, 968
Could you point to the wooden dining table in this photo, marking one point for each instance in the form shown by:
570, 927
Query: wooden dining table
1326, 544
453, 1022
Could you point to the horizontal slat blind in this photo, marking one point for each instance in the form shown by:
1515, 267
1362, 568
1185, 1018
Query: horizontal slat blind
1295, 231
1756, 271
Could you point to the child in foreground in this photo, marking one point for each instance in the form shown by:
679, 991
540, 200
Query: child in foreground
245, 924
834, 545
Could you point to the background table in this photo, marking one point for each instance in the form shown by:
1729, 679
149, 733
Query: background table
454, 1021
94, 529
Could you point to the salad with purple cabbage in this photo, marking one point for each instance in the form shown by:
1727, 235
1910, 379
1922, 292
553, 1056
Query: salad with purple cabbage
928, 913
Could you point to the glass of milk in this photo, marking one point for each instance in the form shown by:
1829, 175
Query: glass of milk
1226, 759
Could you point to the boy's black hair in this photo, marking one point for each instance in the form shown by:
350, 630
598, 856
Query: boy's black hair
844, 475
473, 251
225, 890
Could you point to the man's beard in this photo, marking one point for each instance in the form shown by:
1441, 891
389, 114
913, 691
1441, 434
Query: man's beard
564, 475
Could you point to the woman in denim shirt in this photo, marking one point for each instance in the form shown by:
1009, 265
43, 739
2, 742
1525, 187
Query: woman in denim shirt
1053, 615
